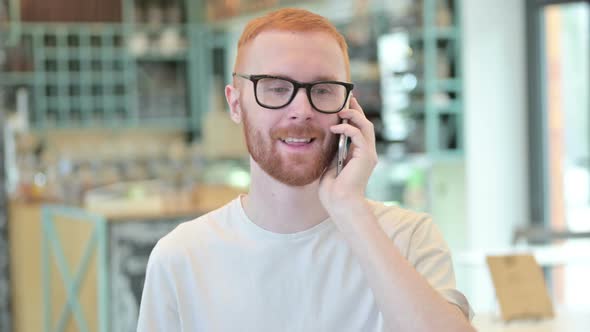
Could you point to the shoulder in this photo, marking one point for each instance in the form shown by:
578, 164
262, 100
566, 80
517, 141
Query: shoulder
193, 234
405, 227
397, 219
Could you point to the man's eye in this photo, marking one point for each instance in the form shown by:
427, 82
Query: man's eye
323, 91
279, 90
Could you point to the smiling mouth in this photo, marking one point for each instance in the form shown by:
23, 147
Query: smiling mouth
293, 140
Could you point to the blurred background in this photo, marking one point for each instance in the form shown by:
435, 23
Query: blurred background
114, 129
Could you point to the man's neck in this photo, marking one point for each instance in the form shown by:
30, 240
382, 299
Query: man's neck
280, 208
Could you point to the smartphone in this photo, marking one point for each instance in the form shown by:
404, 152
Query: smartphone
342, 150
343, 143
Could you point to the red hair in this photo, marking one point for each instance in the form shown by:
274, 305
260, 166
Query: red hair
293, 20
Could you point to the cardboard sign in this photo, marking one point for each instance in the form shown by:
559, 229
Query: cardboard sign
520, 287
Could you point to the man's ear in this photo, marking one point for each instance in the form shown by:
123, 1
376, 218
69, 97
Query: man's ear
232, 95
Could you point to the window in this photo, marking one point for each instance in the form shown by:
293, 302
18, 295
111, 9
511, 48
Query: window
559, 118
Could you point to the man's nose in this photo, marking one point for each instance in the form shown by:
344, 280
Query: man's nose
300, 107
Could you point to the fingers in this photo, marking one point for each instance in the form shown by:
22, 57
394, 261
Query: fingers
355, 134
359, 129
354, 104
357, 118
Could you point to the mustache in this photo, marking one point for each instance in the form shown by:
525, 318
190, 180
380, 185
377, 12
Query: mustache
297, 131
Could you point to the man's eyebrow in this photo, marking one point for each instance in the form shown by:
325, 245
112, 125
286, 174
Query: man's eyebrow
326, 78
318, 78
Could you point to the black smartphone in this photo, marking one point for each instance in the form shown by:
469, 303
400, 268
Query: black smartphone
343, 144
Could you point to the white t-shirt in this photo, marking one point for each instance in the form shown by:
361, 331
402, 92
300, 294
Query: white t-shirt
222, 272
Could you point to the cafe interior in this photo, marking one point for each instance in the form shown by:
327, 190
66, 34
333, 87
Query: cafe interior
114, 129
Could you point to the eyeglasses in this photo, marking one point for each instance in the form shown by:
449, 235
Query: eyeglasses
277, 92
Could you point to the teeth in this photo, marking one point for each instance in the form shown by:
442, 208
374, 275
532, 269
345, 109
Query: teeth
296, 140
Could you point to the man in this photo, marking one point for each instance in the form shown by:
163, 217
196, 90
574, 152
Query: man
304, 250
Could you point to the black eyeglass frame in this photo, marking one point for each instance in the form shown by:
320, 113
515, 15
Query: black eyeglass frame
297, 85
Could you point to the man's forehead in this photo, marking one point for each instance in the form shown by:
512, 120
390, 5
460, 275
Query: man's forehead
277, 52
286, 38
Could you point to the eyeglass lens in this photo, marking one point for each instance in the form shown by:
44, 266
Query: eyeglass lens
326, 97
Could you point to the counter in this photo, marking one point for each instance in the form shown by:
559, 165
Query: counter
564, 321
129, 238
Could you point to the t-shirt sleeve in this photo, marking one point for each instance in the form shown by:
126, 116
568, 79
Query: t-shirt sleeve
158, 309
431, 257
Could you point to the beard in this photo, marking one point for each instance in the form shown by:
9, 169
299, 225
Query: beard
297, 169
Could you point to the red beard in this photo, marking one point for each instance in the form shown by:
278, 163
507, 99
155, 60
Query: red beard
296, 169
